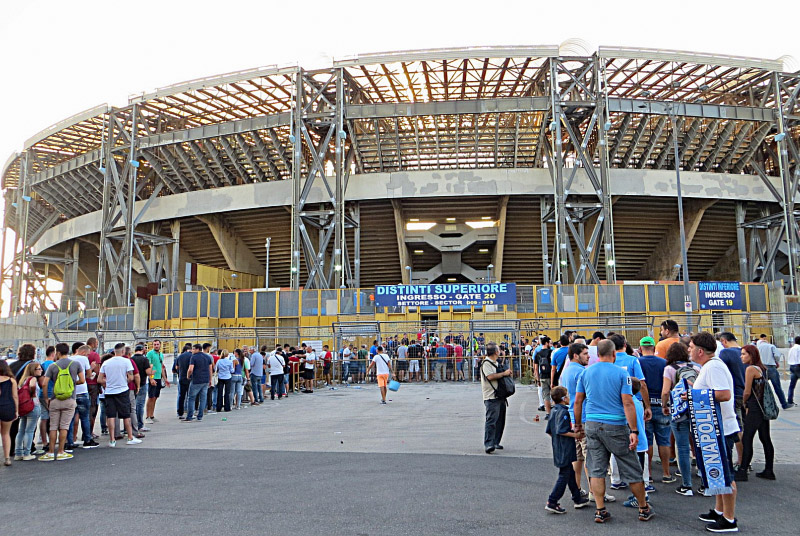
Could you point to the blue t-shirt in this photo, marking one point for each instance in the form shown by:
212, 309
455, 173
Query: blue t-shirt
603, 383
642, 445
373, 351
441, 353
732, 357
570, 380
200, 373
631, 364
560, 357
653, 369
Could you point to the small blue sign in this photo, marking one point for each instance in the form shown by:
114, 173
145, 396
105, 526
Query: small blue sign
719, 295
445, 295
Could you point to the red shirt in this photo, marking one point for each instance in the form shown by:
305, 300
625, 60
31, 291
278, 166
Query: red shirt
327, 359
93, 358
132, 384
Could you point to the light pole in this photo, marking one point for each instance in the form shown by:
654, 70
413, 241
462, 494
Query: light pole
685, 268
410, 275
266, 276
489, 273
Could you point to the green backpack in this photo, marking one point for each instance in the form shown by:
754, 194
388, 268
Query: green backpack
64, 386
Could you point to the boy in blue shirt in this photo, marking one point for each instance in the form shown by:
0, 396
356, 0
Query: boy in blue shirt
559, 427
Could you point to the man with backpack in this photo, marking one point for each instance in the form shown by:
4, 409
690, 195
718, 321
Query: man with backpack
542, 372
495, 405
62, 377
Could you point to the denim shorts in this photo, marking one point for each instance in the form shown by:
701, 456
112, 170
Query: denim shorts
603, 440
658, 426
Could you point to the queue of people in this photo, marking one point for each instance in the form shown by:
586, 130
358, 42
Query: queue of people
611, 407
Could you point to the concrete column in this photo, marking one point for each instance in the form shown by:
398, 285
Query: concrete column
400, 231
501, 238
236, 253
661, 265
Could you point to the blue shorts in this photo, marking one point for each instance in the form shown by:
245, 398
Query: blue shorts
264, 379
658, 426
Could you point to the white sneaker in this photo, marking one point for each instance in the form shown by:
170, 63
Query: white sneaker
144, 429
134, 441
149, 421
112, 444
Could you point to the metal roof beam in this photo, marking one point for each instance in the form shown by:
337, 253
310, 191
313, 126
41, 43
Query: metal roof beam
201, 159
248, 154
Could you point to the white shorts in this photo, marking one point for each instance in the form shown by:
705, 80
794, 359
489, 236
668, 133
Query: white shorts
413, 365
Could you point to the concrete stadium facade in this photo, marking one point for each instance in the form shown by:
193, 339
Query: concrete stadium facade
545, 165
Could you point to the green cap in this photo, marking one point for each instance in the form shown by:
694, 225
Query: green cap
647, 341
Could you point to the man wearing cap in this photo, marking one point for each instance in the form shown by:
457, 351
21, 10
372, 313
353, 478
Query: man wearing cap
659, 425
144, 367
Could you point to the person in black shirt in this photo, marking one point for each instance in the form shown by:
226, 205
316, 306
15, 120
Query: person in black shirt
541, 371
182, 366
144, 367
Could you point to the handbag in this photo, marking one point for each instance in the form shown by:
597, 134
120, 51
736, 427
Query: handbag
769, 407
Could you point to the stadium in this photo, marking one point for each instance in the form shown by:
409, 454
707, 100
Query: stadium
555, 168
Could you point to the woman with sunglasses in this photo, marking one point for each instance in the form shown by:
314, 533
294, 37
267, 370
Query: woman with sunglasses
27, 423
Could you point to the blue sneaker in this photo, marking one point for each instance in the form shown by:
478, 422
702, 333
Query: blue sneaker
649, 488
619, 485
631, 501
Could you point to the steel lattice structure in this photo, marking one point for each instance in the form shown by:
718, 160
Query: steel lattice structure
586, 118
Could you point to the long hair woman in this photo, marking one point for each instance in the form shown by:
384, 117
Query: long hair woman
754, 420
677, 358
27, 423
237, 385
9, 406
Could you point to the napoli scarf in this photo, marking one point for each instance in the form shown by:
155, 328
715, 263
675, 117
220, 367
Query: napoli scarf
709, 442
679, 406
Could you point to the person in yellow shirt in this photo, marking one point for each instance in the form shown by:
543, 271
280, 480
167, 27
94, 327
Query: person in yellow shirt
669, 335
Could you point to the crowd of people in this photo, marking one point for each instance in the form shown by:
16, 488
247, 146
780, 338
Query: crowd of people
610, 407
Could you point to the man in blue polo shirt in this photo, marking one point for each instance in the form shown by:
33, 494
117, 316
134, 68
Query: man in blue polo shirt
631, 365
604, 391
441, 363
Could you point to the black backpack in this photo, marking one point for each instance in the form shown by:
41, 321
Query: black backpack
505, 385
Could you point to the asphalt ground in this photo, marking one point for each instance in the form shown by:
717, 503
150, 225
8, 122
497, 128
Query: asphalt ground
411, 467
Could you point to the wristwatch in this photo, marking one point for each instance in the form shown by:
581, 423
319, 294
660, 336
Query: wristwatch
635, 432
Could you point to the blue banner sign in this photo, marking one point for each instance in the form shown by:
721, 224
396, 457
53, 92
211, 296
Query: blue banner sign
719, 295
445, 295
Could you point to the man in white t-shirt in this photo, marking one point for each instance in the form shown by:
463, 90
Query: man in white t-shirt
115, 374
275, 364
715, 375
597, 336
308, 369
346, 355
83, 403
383, 367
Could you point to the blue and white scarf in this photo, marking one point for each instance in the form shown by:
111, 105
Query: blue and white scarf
709, 441
679, 406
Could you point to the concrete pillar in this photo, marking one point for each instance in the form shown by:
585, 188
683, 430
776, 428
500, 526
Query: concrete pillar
237, 255
501, 238
727, 266
400, 231
667, 254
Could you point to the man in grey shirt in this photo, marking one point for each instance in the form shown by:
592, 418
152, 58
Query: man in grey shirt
402, 362
771, 358
256, 371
